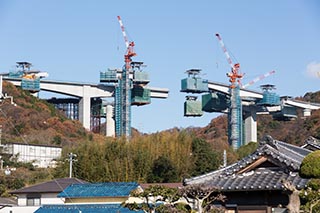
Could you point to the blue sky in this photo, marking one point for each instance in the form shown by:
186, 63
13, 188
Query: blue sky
75, 40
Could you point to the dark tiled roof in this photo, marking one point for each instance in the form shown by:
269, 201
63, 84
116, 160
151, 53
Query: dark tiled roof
286, 157
260, 179
312, 144
54, 186
84, 208
110, 189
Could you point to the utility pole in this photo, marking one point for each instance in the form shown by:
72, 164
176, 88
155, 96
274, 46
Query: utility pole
71, 159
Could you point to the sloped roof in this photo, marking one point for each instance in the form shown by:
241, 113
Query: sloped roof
7, 201
261, 179
311, 143
109, 189
246, 175
89, 208
54, 186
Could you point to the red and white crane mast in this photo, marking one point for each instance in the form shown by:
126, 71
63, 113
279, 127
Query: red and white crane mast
123, 122
235, 109
235, 75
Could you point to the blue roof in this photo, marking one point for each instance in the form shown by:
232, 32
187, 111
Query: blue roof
110, 189
84, 208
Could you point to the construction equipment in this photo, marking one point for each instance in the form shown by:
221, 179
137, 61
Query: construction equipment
123, 101
258, 79
129, 87
235, 129
241, 105
30, 78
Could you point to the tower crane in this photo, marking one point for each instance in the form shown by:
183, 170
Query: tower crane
130, 89
123, 103
235, 109
235, 114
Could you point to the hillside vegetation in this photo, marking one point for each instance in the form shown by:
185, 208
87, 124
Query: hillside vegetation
35, 121
293, 131
167, 156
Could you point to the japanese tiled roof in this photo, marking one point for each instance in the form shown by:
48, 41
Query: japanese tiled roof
248, 174
108, 189
312, 143
54, 186
88, 208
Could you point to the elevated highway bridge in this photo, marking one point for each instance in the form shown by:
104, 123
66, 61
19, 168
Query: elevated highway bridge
85, 92
249, 98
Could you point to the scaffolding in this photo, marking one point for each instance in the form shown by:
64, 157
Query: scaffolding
235, 126
69, 106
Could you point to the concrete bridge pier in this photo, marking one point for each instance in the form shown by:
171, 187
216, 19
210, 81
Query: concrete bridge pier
85, 106
250, 126
110, 123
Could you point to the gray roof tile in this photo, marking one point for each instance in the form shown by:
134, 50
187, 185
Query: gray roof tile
285, 157
54, 186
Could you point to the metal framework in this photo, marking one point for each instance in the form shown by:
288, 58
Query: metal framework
123, 91
235, 129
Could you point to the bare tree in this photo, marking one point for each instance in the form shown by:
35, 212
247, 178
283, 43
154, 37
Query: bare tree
203, 195
152, 198
294, 199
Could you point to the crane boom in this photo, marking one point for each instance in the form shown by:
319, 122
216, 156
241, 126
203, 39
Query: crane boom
258, 79
129, 44
224, 50
235, 75
123, 32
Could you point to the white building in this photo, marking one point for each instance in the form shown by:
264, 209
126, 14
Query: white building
41, 156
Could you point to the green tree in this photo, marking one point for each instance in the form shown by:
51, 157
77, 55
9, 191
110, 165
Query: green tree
310, 168
163, 171
246, 150
205, 158
311, 196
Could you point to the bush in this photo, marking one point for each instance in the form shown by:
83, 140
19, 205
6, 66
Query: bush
310, 166
246, 150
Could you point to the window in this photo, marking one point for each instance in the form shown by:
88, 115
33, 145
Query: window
33, 200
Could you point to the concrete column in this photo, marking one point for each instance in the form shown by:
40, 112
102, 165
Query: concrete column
250, 126
110, 123
85, 107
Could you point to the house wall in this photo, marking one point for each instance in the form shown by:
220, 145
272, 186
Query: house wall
255, 201
46, 198
51, 198
38, 155
22, 200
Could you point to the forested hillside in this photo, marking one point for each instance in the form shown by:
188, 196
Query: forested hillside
35, 121
167, 156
